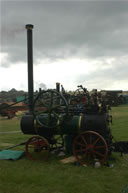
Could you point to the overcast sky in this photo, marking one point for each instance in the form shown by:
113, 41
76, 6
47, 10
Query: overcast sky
74, 42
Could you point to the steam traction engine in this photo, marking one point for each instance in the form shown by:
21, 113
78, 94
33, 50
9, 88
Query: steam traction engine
54, 116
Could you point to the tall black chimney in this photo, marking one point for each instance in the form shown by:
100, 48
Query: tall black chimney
58, 86
29, 28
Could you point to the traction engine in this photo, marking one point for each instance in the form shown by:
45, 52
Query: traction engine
56, 118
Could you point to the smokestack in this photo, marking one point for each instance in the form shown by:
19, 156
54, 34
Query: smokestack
58, 90
29, 28
58, 86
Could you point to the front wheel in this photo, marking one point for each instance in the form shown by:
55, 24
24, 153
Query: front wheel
37, 148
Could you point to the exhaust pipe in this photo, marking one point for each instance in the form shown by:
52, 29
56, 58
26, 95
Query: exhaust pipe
58, 86
29, 28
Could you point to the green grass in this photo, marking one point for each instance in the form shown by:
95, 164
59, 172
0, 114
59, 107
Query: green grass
120, 122
54, 177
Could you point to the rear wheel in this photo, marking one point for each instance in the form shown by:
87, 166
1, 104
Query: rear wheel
89, 146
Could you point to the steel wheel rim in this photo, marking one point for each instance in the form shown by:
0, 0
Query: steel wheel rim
89, 146
37, 148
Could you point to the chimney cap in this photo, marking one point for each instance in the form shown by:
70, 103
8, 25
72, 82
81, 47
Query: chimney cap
29, 26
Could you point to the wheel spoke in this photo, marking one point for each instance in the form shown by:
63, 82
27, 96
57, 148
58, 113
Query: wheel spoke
51, 102
41, 112
42, 103
83, 139
98, 153
90, 138
81, 144
96, 140
55, 114
55, 107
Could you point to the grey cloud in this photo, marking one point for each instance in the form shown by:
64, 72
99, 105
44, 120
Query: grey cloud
65, 29
102, 78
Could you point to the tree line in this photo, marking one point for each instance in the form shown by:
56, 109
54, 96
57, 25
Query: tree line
11, 95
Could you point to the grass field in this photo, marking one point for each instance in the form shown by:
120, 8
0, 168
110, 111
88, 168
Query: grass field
25, 176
